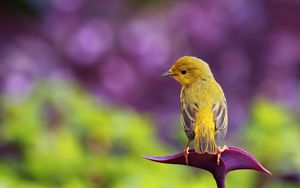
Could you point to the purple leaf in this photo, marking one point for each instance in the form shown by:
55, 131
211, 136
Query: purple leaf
231, 159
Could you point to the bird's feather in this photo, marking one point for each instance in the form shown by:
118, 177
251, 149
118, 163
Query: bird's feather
187, 119
219, 109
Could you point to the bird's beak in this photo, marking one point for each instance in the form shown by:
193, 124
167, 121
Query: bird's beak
168, 73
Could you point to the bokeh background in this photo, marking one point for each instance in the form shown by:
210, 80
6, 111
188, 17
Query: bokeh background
82, 98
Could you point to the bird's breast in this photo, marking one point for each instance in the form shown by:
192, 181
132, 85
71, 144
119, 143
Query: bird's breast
197, 94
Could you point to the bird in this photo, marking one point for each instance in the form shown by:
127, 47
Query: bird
203, 106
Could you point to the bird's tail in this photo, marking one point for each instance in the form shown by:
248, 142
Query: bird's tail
205, 141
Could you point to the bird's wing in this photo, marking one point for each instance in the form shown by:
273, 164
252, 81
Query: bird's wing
187, 118
219, 109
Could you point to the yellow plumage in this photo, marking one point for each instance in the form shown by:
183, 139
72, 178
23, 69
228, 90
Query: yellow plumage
203, 108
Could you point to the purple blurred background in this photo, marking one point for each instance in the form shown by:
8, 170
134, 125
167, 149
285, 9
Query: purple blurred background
117, 49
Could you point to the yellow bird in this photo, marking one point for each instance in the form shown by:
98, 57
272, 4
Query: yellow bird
203, 107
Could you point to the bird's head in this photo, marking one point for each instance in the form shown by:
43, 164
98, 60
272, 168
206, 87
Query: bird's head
187, 70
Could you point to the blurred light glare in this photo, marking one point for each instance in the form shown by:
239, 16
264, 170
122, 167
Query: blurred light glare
284, 48
118, 77
234, 59
90, 41
203, 26
68, 5
147, 42
17, 86
17, 60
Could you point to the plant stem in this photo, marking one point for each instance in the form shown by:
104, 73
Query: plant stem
220, 180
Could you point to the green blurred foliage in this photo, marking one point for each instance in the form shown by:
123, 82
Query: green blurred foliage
273, 137
60, 136
64, 137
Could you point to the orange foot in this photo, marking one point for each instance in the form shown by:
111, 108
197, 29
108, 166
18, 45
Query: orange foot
220, 150
186, 155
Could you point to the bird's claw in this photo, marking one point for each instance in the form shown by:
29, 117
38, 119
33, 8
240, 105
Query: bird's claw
186, 155
220, 150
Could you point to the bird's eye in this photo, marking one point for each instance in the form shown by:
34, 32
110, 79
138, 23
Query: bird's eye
183, 71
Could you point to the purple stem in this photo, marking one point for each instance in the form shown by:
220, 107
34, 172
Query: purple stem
220, 180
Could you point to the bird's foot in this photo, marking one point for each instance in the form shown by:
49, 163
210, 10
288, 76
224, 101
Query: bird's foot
186, 155
220, 150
